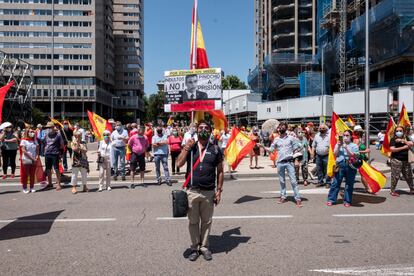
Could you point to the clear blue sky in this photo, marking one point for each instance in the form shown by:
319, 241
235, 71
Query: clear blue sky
227, 25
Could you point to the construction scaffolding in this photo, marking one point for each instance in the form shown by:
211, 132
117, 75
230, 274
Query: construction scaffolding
18, 101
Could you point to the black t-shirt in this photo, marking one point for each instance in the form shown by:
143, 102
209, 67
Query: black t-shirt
402, 155
204, 175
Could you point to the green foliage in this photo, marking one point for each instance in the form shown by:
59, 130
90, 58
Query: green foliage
154, 107
38, 116
232, 82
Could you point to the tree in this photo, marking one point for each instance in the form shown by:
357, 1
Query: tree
232, 82
38, 116
154, 107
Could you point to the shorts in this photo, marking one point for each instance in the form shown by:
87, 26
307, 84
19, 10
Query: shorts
52, 161
137, 160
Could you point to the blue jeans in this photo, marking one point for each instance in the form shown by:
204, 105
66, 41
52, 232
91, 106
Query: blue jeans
321, 167
158, 159
119, 153
349, 174
281, 167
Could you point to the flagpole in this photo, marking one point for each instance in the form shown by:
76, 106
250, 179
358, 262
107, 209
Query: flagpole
195, 29
367, 80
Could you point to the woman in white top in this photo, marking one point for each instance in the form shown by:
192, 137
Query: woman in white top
224, 139
30, 153
104, 161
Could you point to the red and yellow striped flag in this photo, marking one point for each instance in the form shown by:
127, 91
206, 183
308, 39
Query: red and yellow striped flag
219, 119
375, 179
385, 149
99, 124
238, 146
338, 127
404, 120
3, 92
198, 55
351, 121
56, 122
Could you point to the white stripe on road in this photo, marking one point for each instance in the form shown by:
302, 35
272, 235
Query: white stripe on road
374, 215
320, 191
57, 220
234, 217
377, 270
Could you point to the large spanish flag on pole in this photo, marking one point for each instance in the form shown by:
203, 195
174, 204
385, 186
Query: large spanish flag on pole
238, 146
404, 120
99, 124
3, 92
385, 149
338, 127
198, 56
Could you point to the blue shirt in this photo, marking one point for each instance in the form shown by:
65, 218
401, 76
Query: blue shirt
160, 149
343, 154
285, 147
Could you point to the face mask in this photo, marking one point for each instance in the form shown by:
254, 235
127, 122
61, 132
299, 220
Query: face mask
211, 139
300, 134
106, 138
65, 127
175, 133
282, 131
31, 135
192, 130
347, 139
399, 134
119, 128
159, 131
203, 135
323, 131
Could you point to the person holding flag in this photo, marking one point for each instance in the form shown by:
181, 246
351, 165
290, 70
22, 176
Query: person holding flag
286, 145
345, 153
399, 147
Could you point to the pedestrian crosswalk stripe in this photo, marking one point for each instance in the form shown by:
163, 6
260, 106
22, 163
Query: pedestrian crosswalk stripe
234, 217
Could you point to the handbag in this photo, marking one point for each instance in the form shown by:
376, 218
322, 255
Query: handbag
180, 198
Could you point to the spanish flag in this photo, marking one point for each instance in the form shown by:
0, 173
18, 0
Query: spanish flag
99, 124
404, 120
170, 121
198, 55
351, 121
388, 135
3, 93
338, 127
238, 146
56, 122
219, 119
374, 178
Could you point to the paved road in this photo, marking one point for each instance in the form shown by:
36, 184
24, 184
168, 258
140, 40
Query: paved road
130, 232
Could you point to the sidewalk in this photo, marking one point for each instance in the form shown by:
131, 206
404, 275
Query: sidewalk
243, 170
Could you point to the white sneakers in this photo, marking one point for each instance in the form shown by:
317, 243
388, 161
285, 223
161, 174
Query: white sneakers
100, 189
109, 188
26, 191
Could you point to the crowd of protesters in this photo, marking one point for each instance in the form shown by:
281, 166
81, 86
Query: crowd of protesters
124, 152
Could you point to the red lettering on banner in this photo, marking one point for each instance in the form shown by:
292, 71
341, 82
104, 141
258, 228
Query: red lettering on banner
193, 106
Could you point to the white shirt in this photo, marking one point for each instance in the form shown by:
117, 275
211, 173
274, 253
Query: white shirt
118, 139
188, 136
30, 147
83, 132
105, 149
381, 137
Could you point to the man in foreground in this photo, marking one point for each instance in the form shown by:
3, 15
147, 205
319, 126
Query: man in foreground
206, 169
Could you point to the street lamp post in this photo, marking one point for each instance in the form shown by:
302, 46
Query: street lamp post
112, 106
52, 95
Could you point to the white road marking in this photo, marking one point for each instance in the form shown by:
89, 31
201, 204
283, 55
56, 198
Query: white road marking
234, 217
320, 191
57, 220
374, 215
371, 270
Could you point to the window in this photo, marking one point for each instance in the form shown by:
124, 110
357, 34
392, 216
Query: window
268, 110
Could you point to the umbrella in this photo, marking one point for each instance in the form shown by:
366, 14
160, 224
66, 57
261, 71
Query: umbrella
4, 125
270, 125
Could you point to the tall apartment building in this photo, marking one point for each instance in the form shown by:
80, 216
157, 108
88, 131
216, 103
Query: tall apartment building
285, 45
83, 58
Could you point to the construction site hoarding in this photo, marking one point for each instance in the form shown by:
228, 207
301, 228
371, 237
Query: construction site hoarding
192, 90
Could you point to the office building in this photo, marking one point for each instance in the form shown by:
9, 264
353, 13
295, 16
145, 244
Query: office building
83, 57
